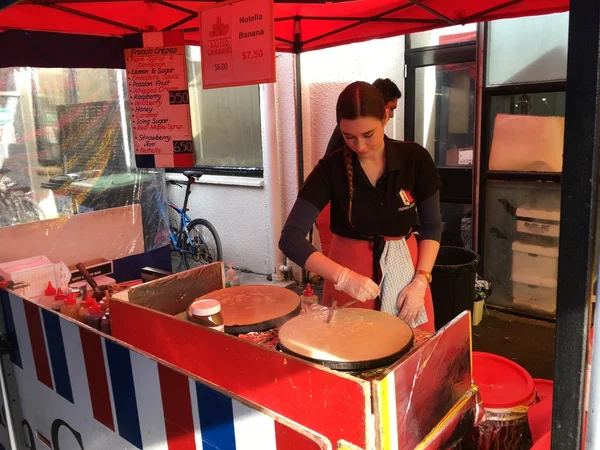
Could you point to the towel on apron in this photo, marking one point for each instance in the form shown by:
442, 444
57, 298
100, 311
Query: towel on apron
397, 271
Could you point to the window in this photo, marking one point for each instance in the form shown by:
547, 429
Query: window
65, 149
526, 132
527, 50
443, 36
225, 122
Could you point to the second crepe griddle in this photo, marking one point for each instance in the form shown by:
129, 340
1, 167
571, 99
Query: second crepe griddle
356, 339
255, 308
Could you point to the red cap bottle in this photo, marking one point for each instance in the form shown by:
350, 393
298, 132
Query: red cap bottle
50, 291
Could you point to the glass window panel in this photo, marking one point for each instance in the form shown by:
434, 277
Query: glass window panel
526, 132
527, 49
66, 149
225, 122
442, 36
521, 233
444, 110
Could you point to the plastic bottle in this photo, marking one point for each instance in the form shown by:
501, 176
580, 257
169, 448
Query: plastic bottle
59, 300
308, 295
105, 323
70, 308
94, 318
232, 278
49, 295
84, 308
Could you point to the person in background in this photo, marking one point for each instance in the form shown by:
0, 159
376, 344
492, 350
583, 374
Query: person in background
391, 95
377, 186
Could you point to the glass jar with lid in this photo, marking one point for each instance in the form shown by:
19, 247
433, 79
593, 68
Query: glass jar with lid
207, 313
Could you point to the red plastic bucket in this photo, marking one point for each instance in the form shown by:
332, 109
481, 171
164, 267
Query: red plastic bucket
507, 390
543, 388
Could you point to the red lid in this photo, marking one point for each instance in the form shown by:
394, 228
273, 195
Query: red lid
70, 300
50, 289
308, 290
60, 295
95, 308
503, 384
87, 302
205, 307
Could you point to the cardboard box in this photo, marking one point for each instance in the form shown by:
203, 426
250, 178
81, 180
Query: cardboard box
459, 157
95, 267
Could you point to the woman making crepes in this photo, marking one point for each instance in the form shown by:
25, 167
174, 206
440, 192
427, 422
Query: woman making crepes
376, 186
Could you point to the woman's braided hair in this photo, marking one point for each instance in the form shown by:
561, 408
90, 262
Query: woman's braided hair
359, 99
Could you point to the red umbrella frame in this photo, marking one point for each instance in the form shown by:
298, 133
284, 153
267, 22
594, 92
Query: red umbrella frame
300, 25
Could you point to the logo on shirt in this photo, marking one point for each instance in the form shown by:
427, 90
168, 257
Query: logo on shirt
406, 199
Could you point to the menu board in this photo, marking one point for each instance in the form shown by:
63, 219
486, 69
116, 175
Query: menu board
238, 43
160, 100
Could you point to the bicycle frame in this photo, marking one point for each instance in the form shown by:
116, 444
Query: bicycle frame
184, 220
176, 237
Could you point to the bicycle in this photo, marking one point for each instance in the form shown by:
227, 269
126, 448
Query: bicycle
16, 205
194, 246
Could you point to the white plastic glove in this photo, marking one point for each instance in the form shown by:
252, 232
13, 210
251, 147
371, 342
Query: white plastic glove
357, 286
411, 301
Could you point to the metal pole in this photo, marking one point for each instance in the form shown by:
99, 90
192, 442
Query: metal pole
299, 137
578, 223
299, 131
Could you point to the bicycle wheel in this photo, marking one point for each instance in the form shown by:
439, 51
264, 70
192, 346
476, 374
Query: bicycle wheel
206, 244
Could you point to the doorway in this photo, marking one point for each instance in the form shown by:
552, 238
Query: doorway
440, 116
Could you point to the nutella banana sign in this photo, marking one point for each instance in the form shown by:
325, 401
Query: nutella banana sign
238, 43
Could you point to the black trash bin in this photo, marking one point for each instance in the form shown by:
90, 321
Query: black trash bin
453, 284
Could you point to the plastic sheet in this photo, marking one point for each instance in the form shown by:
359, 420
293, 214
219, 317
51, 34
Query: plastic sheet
67, 173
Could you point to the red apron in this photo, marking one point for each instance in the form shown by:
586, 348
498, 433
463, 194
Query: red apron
357, 255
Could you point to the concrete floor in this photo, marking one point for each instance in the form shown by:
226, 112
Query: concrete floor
528, 342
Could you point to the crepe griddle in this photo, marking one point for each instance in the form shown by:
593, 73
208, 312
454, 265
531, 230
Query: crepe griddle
255, 308
356, 339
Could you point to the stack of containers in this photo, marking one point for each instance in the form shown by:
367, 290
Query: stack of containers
535, 259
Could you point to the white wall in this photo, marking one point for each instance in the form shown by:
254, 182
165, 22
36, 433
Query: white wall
325, 73
240, 212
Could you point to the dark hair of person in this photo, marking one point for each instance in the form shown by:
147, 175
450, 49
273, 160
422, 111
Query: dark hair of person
388, 89
359, 99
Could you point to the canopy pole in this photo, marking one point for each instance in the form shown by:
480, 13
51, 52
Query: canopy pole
299, 130
579, 204
299, 135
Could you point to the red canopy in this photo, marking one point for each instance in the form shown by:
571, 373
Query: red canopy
321, 23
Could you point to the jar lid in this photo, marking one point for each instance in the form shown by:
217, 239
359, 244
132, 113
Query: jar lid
206, 307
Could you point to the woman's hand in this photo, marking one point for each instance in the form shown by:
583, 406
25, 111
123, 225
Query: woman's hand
411, 301
356, 286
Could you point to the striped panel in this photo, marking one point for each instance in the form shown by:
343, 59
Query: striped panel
216, 419
149, 405
58, 358
387, 413
38, 343
15, 354
177, 408
289, 439
123, 392
253, 429
93, 356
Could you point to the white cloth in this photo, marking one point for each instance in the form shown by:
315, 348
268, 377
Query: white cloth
397, 271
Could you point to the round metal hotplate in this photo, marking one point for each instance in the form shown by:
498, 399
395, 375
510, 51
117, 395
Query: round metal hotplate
355, 340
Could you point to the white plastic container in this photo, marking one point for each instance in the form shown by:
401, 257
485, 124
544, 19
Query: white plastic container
37, 271
538, 221
535, 293
534, 262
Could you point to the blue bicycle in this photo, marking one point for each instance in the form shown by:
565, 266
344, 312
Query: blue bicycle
196, 240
